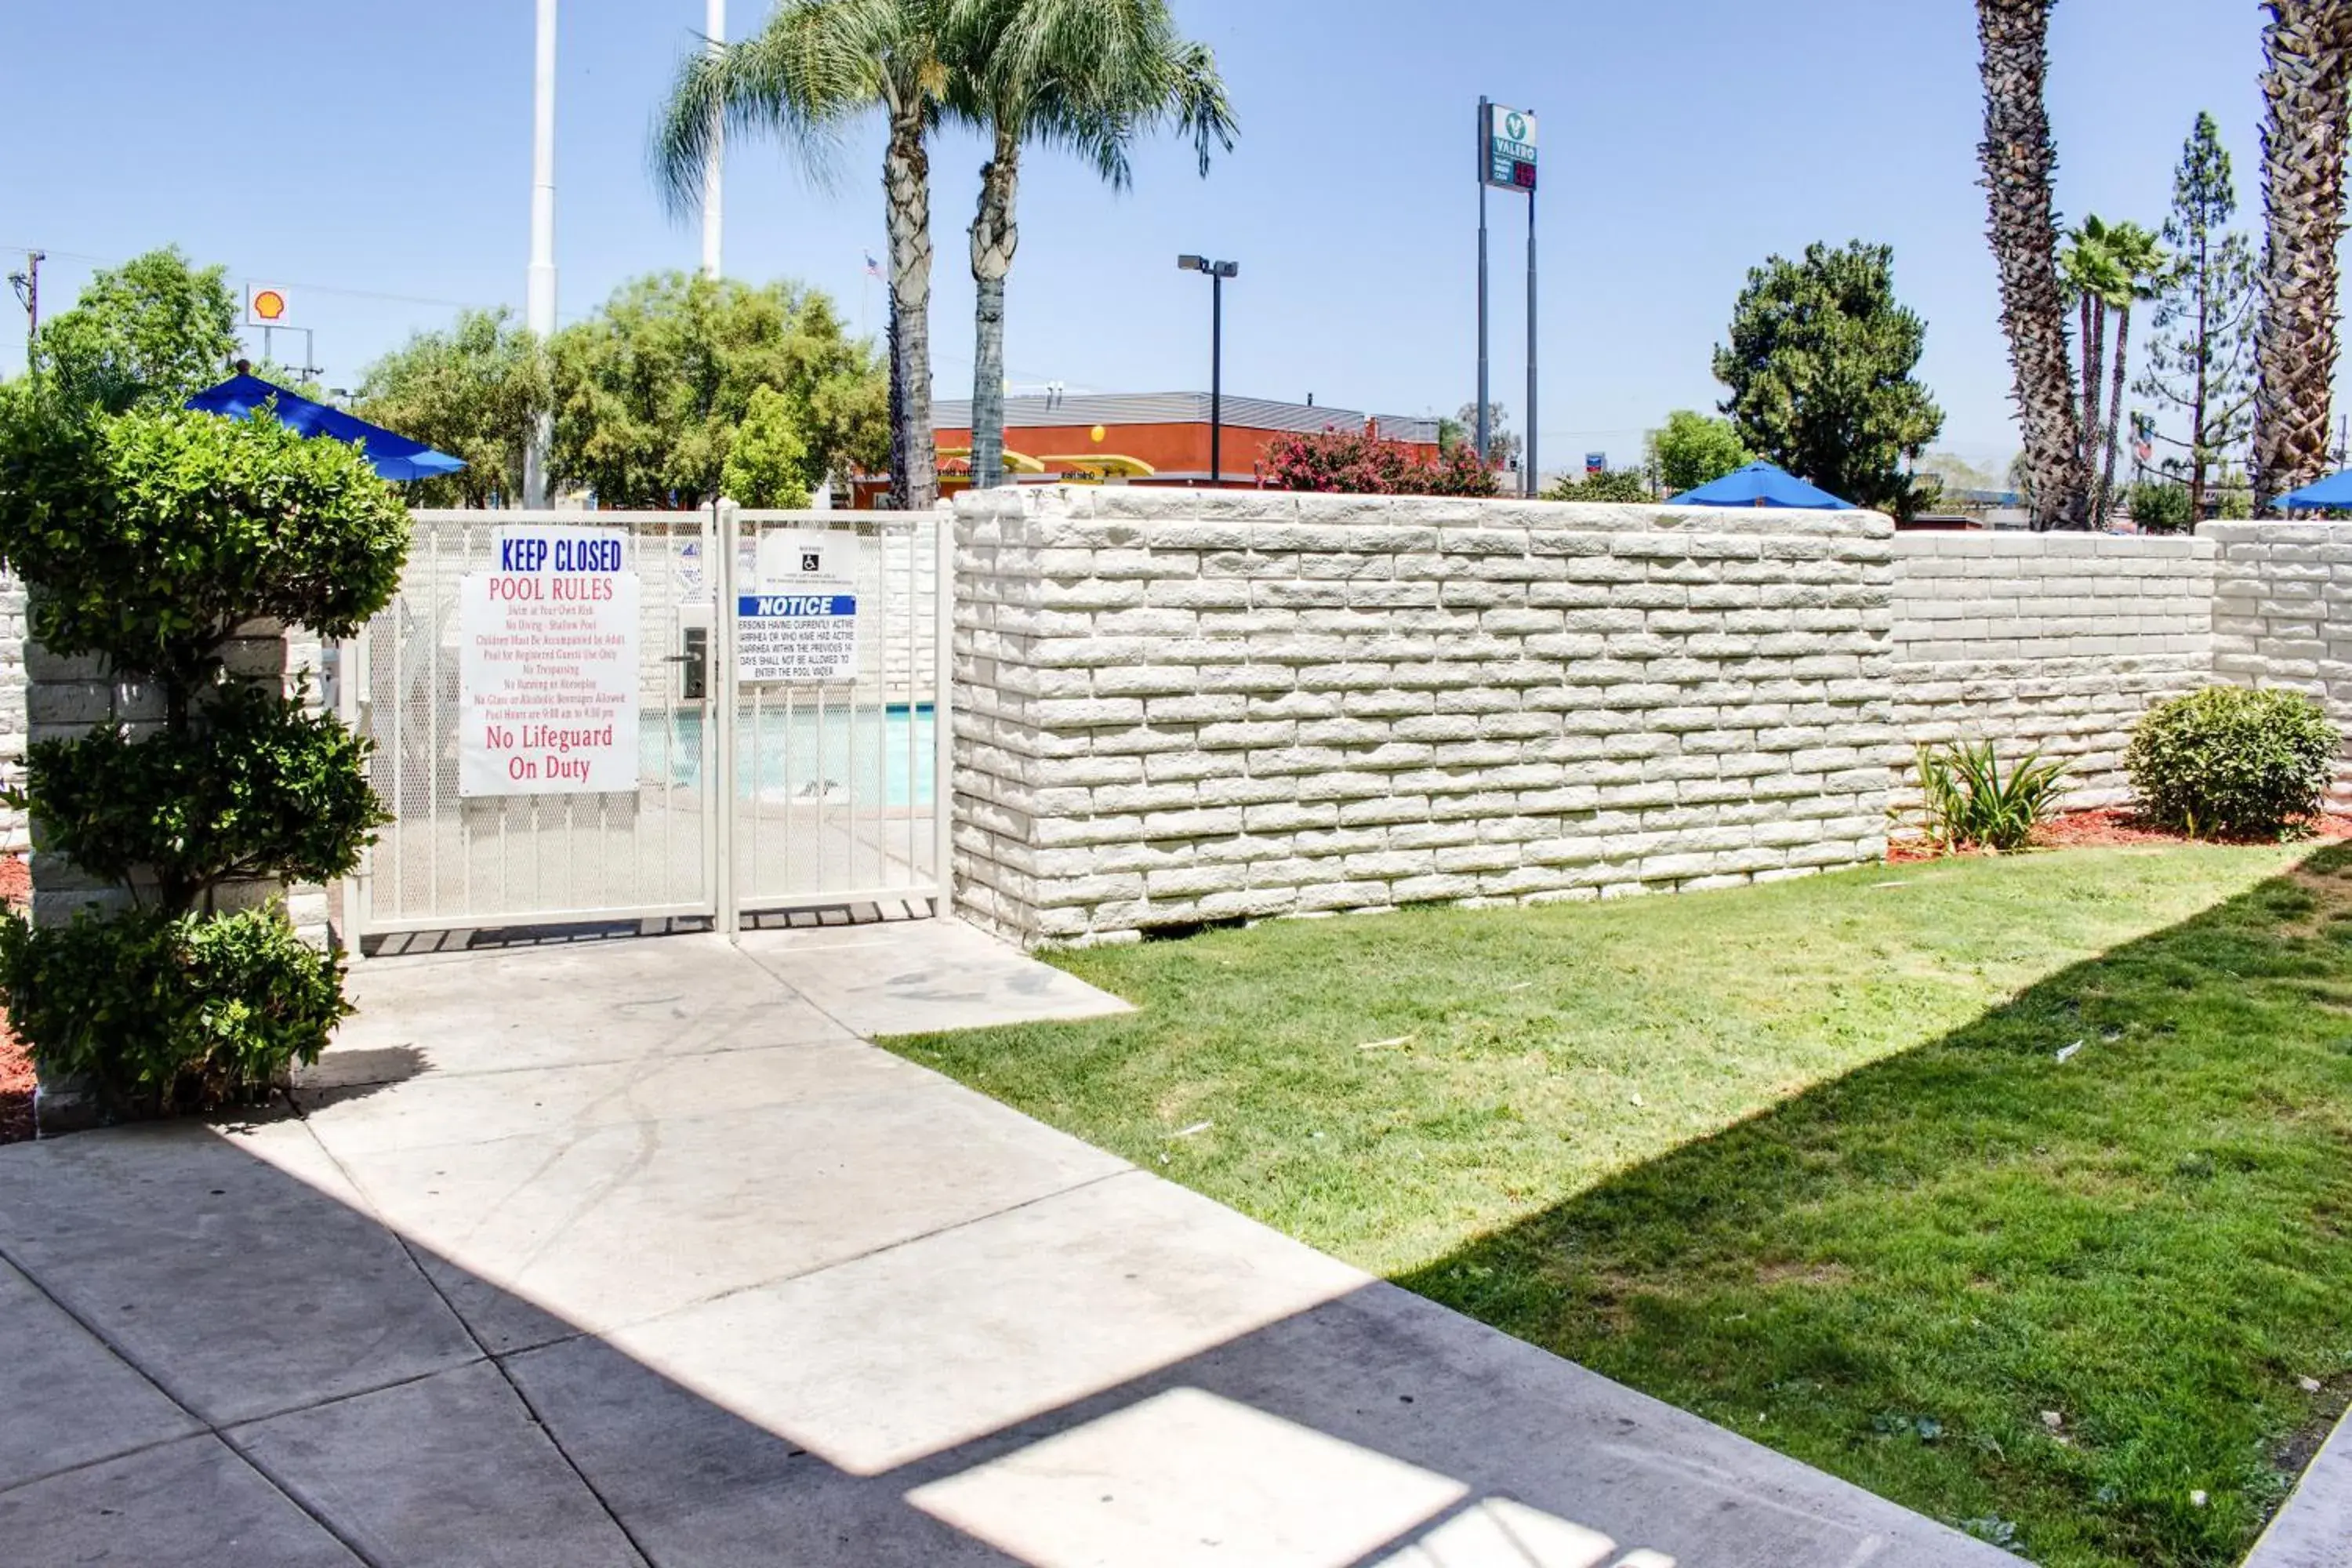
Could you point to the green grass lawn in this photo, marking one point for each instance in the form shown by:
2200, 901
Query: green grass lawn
1804, 1159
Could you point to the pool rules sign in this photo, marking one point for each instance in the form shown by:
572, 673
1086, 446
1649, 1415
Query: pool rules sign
799, 624
547, 666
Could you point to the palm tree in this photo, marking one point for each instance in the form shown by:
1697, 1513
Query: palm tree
1084, 75
2307, 81
2137, 266
2087, 275
816, 66
2016, 155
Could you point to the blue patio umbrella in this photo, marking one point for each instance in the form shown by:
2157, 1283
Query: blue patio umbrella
392, 456
1761, 484
2335, 490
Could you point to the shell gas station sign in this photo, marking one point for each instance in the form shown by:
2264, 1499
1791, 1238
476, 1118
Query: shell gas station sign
265, 306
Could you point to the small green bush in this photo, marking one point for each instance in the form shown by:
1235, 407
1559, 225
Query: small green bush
1967, 802
166, 1013
1607, 485
2159, 506
2232, 762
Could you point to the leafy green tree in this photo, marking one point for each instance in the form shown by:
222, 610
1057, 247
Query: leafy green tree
650, 391
1084, 75
1502, 441
767, 463
476, 392
816, 67
149, 333
1692, 449
1953, 472
2200, 352
1820, 367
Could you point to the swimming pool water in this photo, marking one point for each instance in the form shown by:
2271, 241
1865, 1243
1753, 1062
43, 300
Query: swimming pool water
870, 754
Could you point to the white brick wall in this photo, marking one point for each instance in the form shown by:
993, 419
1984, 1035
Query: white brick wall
2278, 590
2048, 642
1176, 707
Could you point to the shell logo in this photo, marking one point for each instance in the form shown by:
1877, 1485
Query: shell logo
1096, 433
267, 306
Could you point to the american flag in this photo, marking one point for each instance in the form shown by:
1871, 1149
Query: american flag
872, 267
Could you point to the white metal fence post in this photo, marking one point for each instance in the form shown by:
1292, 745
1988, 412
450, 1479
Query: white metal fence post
726, 691
943, 718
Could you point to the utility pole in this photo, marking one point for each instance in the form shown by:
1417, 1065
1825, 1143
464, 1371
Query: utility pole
714, 26
539, 299
27, 285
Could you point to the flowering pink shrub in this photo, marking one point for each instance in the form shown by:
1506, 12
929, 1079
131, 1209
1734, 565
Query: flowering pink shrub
1364, 463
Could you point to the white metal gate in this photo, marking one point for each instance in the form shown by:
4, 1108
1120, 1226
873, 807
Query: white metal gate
750, 797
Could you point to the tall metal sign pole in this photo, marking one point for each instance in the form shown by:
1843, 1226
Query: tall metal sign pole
539, 295
1506, 157
1485, 109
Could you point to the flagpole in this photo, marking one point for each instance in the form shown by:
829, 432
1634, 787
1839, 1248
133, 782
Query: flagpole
713, 171
539, 297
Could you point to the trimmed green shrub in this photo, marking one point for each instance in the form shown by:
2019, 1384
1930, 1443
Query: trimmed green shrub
164, 1013
264, 789
2232, 762
1967, 802
150, 539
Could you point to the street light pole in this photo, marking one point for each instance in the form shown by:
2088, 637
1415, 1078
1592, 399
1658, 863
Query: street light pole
1218, 271
1216, 378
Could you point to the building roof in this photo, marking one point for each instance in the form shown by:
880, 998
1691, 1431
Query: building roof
1179, 408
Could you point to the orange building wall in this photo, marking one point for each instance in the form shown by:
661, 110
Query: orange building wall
1174, 449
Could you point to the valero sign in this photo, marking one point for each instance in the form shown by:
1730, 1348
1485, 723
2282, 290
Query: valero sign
1510, 150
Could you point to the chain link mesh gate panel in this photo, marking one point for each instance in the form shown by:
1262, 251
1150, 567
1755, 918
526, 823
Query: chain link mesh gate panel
452, 862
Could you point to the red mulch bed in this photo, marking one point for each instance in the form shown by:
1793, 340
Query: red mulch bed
2106, 829
15, 1066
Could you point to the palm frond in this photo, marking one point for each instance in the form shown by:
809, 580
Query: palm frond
817, 65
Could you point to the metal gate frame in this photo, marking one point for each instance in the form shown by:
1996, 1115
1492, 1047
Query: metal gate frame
736, 901
725, 899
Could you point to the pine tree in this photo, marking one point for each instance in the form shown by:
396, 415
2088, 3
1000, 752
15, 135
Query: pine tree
2200, 355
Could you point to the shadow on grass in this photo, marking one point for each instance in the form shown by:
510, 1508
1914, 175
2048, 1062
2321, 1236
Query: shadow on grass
2057, 1275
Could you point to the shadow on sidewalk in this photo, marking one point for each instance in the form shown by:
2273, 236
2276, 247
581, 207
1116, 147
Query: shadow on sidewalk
325, 1398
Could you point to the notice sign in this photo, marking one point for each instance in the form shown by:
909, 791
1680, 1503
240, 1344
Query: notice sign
801, 623
547, 666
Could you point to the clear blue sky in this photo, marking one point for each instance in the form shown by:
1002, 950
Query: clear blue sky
375, 158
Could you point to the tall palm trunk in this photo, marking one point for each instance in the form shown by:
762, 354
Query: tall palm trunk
2017, 156
2307, 48
2095, 348
907, 186
2104, 498
994, 236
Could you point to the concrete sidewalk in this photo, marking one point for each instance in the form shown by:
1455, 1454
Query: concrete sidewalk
632, 1252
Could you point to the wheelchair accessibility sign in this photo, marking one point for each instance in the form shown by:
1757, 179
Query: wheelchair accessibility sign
799, 624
